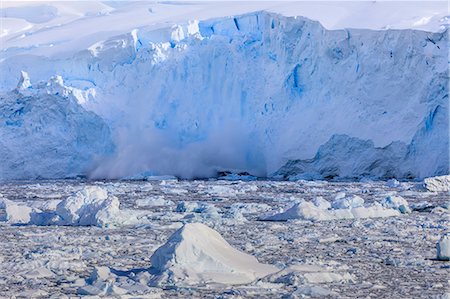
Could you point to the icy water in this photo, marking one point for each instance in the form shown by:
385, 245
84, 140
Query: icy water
381, 257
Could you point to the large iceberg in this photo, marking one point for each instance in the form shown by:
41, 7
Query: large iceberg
248, 93
197, 254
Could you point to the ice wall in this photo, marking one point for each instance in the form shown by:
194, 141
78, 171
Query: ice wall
45, 133
252, 92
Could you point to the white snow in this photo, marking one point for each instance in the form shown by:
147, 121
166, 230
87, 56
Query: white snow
197, 254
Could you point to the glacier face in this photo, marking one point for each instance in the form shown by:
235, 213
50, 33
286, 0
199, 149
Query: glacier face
252, 92
45, 133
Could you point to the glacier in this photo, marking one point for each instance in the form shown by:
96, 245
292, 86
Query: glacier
260, 93
45, 133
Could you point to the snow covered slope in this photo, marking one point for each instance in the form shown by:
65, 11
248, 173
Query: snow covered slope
251, 93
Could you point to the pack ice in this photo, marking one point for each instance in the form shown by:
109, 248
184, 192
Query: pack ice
281, 92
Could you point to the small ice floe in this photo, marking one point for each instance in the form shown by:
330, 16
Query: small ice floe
157, 201
392, 183
351, 201
423, 206
242, 176
40, 272
397, 203
196, 254
437, 183
321, 203
197, 207
301, 274
343, 208
101, 283
249, 208
14, 213
91, 206
443, 248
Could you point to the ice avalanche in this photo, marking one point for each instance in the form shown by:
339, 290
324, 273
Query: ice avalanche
258, 93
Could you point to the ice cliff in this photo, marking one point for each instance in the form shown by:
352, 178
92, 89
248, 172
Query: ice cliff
254, 93
45, 133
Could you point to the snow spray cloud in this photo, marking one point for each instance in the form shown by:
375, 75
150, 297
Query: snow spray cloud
160, 152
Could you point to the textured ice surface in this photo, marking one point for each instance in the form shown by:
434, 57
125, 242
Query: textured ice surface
384, 257
91, 206
45, 133
438, 184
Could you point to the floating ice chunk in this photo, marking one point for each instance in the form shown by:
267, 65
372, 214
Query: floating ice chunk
15, 213
443, 248
423, 206
392, 183
41, 272
398, 203
351, 201
195, 207
249, 208
90, 206
326, 277
198, 254
438, 183
321, 203
300, 274
308, 211
313, 291
82, 207
101, 283
303, 210
229, 176
154, 202
373, 211
339, 195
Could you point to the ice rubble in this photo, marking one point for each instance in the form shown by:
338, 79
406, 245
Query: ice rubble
438, 184
91, 206
47, 134
350, 207
388, 122
197, 254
